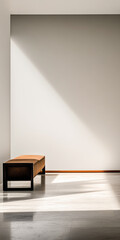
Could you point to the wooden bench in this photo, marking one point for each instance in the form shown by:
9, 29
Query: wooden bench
22, 168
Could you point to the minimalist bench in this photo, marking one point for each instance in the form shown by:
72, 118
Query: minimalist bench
22, 168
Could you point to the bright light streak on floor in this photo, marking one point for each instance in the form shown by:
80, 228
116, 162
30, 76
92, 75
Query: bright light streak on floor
66, 192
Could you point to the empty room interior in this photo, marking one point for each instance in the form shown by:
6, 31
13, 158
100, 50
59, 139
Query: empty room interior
60, 120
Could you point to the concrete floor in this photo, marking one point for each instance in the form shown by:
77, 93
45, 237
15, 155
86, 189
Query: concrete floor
63, 207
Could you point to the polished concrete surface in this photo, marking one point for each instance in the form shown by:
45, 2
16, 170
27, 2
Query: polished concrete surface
63, 207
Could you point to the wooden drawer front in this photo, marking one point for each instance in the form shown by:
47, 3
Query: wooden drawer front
15, 173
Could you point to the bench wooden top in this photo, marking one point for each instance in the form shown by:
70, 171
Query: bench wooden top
26, 159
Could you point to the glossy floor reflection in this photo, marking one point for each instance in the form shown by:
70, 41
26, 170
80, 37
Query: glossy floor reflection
63, 206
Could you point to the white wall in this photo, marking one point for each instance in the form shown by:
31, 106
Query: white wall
4, 83
65, 6
65, 86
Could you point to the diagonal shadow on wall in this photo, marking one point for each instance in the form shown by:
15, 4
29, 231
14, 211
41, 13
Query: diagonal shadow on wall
80, 57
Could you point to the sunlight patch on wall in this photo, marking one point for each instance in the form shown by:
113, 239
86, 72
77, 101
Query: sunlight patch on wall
43, 123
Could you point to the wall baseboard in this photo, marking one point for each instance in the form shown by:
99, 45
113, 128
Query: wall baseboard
82, 171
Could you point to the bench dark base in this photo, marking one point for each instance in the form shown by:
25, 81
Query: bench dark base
25, 175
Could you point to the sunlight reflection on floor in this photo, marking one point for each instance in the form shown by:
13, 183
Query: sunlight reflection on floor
67, 192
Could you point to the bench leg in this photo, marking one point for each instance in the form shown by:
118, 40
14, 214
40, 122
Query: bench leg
43, 170
32, 185
4, 178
